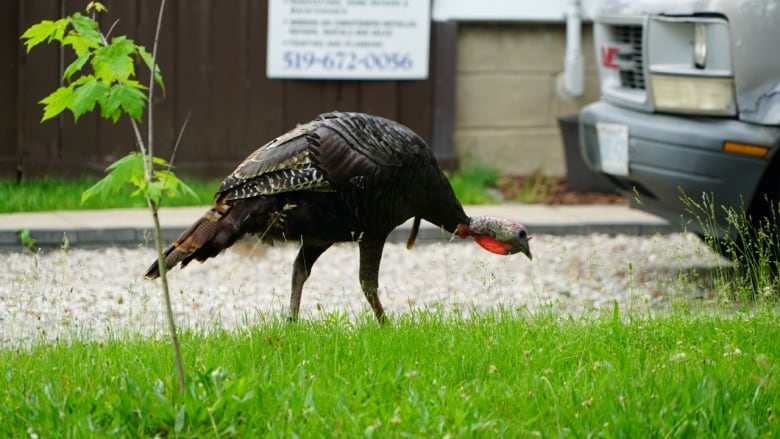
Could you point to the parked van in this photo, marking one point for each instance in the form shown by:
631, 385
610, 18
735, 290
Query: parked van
690, 103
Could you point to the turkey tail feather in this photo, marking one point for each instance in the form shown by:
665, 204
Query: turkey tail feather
195, 242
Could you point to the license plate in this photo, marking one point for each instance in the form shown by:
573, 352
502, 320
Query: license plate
613, 147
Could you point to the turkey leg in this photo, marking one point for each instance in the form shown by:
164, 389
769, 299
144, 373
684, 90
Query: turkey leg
306, 258
370, 256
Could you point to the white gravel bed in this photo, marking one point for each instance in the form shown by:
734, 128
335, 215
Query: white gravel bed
100, 293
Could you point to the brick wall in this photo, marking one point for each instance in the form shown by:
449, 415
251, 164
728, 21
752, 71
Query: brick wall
509, 95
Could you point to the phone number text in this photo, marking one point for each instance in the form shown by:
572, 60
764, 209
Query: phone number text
346, 61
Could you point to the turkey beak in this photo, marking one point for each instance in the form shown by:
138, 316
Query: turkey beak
526, 249
521, 246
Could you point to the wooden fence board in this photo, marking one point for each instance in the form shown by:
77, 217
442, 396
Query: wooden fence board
10, 47
38, 76
264, 111
380, 98
228, 60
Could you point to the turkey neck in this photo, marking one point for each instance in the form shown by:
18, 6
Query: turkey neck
439, 206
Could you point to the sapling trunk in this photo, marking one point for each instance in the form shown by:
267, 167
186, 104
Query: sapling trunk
154, 208
158, 243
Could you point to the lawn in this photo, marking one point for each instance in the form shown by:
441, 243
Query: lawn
471, 187
61, 194
511, 374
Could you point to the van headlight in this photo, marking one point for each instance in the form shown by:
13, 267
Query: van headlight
693, 94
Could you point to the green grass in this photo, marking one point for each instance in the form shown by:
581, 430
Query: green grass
471, 185
752, 243
501, 374
60, 194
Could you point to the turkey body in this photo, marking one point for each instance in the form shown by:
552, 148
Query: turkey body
341, 177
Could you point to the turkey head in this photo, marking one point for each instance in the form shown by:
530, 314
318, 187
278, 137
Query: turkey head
501, 236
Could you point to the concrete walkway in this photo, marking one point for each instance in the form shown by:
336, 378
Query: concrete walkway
131, 227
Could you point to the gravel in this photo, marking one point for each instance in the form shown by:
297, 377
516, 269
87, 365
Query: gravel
100, 293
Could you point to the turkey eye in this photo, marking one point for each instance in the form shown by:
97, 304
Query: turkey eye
523, 234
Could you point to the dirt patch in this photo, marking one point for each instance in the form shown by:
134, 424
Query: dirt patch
551, 190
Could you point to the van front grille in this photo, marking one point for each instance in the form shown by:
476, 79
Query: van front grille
628, 38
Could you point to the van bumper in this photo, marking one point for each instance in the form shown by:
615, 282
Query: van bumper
671, 155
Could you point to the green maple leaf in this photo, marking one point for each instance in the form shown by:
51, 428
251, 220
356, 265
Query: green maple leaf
87, 95
76, 65
165, 184
154, 191
57, 102
86, 27
127, 169
114, 61
96, 6
128, 98
80, 44
147, 58
174, 186
46, 30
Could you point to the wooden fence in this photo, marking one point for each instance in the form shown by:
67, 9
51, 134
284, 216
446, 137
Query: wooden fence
212, 54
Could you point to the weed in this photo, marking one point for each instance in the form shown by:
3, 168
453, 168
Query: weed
27, 241
751, 243
534, 188
65, 245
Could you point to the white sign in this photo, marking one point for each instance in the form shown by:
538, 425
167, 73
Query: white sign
348, 39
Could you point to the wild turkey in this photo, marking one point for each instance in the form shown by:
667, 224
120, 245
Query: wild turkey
341, 177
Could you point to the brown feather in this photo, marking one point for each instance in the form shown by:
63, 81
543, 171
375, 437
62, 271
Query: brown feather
218, 229
201, 232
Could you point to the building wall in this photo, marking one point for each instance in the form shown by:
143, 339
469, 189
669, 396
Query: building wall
509, 94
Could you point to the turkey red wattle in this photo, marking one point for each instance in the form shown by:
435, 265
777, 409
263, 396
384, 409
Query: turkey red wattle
492, 245
497, 235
